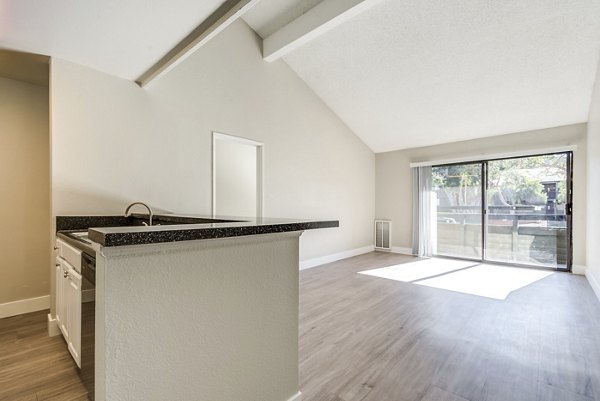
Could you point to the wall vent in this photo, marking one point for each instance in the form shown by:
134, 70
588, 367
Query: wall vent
383, 235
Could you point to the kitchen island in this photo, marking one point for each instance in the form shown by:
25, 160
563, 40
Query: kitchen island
195, 309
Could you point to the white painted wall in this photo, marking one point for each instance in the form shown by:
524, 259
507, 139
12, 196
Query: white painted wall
394, 176
593, 181
114, 143
24, 196
236, 186
220, 315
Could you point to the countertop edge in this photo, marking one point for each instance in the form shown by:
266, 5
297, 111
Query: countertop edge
117, 230
108, 239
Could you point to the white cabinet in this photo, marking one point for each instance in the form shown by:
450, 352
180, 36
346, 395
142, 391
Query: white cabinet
58, 279
68, 297
73, 309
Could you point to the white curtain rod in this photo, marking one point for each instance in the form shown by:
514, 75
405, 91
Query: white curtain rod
492, 156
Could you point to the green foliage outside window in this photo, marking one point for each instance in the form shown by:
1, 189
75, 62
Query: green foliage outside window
511, 182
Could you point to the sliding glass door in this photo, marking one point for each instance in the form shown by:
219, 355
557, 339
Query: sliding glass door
457, 192
515, 211
527, 210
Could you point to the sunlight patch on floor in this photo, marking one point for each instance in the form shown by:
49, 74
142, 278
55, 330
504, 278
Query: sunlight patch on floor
490, 281
419, 270
484, 280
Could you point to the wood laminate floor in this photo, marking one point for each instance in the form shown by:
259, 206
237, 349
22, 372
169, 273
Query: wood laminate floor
365, 338
33, 366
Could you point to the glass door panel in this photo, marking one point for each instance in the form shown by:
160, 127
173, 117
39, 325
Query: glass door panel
527, 206
457, 203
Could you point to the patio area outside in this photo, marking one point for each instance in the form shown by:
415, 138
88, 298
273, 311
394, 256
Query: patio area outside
526, 207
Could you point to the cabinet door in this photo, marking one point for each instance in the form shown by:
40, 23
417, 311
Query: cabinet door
58, 280
74, 314
63, 294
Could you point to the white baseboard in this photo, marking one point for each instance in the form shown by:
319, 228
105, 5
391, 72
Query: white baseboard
402, 250
53, 329
296, 397
594, 282
307, 264
578, 269
24, 306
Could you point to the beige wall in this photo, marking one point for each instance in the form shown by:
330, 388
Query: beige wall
593, 212
114, 143
394, 177
24, 191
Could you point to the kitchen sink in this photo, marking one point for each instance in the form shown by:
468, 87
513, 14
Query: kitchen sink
80, 234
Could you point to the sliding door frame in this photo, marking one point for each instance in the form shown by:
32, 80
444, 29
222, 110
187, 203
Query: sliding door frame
482, 253
569, 212
484, 210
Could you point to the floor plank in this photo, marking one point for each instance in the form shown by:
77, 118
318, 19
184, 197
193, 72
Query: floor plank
547, 392
437, 394
33, 366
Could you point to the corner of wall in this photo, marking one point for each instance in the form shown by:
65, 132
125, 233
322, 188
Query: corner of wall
53, 329
594, 282
593, 192
402, 250
307, 264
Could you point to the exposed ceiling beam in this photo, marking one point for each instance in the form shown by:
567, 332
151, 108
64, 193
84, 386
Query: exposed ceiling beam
321, 18
224, 16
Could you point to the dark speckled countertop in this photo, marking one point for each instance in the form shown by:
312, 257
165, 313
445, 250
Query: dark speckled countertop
121, 231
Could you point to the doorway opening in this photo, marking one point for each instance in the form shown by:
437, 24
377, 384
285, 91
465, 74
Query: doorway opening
237, 176
515, 211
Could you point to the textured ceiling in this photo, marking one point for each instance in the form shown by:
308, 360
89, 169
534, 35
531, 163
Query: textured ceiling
122, 38
404, 73
412, 73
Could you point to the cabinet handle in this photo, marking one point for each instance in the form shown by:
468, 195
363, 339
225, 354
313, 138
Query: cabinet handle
65, 274
56, 248
57, 264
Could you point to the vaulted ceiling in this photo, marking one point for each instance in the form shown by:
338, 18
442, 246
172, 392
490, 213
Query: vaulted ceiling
120, 37
409, 73
399, 73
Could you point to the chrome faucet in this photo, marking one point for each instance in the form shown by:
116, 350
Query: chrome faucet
150, 214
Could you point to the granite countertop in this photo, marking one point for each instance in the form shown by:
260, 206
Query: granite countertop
122, 231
